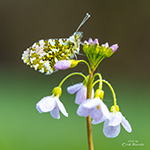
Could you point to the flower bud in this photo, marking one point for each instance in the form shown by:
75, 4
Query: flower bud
90, 41
57, 91
114, 47
62, 65
65, 64
99, 93
74, 63
108, 51
114, 108
96, 42
106, 44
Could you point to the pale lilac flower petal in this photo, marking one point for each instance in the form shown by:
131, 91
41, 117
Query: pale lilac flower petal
90, 41
115, 119
96, 114
46, 104
114, 47
74, 88
106, 44
92, 96
111, 131
104, 109
85, 108
93, 107
62, 65
55, 113
126, 125
86, 42
82, 111
98, 121
51, 104
101, 114
61, 107
81, 95
96, 41
91, 103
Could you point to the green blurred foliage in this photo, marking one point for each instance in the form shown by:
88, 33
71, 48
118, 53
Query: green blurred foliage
23, 128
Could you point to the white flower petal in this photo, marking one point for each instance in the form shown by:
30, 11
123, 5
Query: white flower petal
92, 96
74, 88
81, 95
96, 114
111, 131
101, 114
61, 107
98, 121
115, 119
55, 113
104, 109
46, 104
91, 103
82, 111
106, 44
126, 125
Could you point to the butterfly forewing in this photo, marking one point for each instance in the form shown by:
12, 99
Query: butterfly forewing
43, 55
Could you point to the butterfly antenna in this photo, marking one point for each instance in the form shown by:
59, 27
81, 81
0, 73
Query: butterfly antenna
87, 16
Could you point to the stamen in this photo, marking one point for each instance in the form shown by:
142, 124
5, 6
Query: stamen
98, 107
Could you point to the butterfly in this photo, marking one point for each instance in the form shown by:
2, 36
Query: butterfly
43, 55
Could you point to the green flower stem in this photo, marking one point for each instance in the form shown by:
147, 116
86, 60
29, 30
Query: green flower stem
112, 90
98, 62
88, 119
87, 65
88, 56
100, 80
72, 74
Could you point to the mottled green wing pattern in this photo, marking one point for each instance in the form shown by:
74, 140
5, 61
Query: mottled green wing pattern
43, 55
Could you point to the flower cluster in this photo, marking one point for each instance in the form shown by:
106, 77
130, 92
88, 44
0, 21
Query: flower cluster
93, 106
96, 53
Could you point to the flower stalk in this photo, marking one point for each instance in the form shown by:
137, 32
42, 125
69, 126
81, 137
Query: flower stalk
88, 119
75, 73
112, 90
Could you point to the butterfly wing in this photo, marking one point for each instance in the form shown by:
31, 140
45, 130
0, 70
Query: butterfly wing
43, 55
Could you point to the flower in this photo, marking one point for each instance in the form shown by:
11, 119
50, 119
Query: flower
114, 47
90, 41
52, 104
106, 44
62, 65
96, 42
108, 51
65, 64
81, 90
95, 108
111, 127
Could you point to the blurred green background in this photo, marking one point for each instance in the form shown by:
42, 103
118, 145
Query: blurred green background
115, 21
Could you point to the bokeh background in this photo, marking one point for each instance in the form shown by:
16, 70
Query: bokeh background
24, 22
